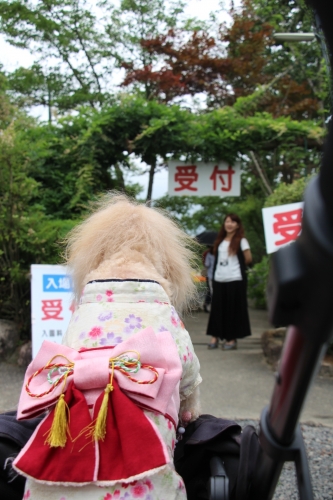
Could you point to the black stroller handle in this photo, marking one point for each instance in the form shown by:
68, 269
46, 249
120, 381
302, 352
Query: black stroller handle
300, 294
219, 482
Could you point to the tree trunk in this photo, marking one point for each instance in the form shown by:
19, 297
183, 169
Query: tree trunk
151, 178
49, 104
261, 173
119, 177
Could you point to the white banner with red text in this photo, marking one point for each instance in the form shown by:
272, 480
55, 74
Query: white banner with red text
282, 225
51, 304
204, 179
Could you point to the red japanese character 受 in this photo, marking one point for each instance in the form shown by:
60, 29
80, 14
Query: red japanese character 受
288, 225
52, 309
186, 176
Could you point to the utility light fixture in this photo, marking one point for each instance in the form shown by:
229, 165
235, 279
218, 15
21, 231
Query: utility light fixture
294, 37
308, 37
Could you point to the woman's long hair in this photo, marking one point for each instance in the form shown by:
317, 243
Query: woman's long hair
236, 239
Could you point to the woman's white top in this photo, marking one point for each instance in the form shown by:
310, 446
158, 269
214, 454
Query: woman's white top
228, 267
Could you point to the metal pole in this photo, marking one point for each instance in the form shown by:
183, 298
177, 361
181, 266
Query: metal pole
320, 36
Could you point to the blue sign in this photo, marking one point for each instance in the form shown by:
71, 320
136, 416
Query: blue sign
56, 283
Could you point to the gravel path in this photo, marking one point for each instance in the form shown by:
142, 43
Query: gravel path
319, 445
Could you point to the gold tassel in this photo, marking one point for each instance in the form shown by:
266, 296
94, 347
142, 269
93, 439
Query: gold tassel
57, 435
100, 426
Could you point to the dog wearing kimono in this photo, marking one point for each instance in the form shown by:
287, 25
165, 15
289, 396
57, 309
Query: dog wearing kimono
126, 375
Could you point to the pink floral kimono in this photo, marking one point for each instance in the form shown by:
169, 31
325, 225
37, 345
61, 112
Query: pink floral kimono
126, 361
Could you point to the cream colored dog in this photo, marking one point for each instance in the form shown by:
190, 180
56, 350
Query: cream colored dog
123, 239
132, 271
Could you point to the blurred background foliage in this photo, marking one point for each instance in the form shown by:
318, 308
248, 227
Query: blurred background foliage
142, 82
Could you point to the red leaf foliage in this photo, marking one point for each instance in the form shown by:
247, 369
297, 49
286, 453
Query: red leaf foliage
224, 68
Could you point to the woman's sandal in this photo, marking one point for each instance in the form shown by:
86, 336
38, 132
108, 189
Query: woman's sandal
230, 347
212, 346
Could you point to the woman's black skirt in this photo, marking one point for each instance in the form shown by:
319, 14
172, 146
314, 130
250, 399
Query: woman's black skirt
229, 317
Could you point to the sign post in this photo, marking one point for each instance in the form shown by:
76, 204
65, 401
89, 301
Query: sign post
51, 304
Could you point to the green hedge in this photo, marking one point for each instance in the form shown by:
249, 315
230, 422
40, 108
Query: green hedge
32, 240
257, 283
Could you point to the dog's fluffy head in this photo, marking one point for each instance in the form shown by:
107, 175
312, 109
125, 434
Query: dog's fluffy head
121, 228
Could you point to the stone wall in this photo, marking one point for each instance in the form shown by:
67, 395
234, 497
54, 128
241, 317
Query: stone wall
11, 349
272, 343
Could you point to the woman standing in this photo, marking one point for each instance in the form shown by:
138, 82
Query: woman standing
229, 318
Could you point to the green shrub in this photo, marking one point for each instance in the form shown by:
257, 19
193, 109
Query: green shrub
288, 193
257, 283
28, 234
31, 240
